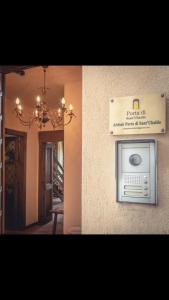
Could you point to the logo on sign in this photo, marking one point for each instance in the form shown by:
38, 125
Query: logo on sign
136, 104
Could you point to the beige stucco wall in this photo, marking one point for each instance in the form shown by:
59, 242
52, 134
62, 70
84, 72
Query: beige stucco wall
73, 160
101, 214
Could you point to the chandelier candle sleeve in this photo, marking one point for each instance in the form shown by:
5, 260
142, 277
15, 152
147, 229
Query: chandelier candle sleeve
20, 110
36, 113
59, 112
38, 100
63, 102
70, 107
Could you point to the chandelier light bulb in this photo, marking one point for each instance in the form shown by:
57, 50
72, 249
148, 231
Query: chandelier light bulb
63, 101
70, 107
38, 99
17, 101
20, 107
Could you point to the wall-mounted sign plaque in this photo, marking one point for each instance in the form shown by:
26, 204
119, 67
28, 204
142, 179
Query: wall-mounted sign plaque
144, 114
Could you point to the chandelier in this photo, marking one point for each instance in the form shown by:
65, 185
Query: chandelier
41, 113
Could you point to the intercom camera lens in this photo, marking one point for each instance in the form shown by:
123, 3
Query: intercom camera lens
135, 159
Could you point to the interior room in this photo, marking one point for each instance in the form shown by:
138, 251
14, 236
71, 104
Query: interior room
43, 159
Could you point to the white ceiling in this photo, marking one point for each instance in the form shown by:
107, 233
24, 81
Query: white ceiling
27, 87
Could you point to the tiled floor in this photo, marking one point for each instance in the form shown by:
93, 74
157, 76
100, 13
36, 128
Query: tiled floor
46, 229
41, 229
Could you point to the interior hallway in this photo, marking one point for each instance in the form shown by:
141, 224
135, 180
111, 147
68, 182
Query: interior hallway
62, 81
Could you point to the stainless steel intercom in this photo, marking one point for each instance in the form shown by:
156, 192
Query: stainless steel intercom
136, 171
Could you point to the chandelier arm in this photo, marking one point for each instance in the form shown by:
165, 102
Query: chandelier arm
56, 123
25, 123
70, 119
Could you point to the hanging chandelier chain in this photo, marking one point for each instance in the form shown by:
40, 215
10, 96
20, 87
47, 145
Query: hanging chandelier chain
44, 88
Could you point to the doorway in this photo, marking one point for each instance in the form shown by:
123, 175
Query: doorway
15, 180
51, 174
63, 81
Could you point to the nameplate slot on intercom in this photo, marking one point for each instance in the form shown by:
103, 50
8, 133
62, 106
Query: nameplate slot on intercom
136, 171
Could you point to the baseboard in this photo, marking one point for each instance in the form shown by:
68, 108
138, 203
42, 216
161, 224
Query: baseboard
31, 225
74, 230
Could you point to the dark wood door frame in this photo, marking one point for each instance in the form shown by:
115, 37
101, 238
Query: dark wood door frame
22, 203
6, 69
2, 148
45, 137
3, 71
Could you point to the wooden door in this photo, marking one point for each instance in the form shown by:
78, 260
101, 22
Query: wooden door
15, 179
46, 181
14, 198
11, 183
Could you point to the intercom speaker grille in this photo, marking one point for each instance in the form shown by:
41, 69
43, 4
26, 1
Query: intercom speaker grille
129, 179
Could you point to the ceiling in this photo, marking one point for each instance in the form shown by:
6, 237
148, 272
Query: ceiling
27, 87
11, 68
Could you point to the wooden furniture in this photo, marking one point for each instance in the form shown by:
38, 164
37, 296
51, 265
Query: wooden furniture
56, 212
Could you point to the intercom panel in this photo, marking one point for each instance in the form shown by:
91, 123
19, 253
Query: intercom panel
136, 171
